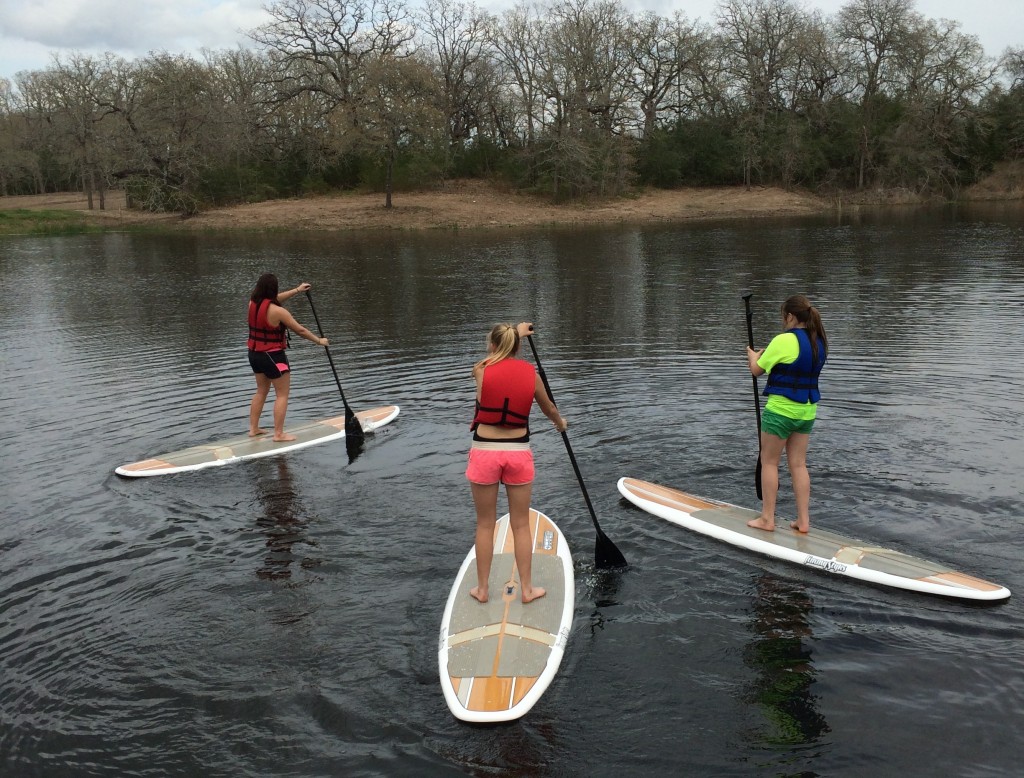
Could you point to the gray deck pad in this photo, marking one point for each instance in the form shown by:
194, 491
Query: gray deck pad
824, 544
529, 630
245, 447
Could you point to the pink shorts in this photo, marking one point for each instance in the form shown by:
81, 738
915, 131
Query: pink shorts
507, 463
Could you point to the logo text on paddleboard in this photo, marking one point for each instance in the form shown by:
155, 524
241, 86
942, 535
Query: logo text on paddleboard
828, 565
549, 540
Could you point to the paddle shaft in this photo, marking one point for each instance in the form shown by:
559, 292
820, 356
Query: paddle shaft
757, 398
606, 553
328, 350
353, 428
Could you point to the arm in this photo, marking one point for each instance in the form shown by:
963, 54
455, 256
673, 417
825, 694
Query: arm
278, 315
752, 357
540, 394
290, 293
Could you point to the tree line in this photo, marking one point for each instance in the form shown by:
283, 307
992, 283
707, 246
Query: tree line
574, 98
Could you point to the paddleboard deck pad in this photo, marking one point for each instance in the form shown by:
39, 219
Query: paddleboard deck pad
497, 658
245, 447
818, 548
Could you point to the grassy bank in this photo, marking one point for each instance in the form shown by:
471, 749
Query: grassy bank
23, 221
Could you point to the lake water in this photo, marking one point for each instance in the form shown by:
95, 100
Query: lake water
280, 616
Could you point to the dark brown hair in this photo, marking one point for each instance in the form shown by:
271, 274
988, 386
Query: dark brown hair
266, 289
807, 315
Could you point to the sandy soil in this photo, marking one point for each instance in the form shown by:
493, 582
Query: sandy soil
460, 204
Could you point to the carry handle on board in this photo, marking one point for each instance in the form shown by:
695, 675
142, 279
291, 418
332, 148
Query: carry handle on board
605, 552
757, 398
354, 435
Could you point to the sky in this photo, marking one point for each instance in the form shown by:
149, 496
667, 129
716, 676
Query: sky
32, 32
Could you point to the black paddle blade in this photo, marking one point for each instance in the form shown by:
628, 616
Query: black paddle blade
354, 435
757, 477
606, 554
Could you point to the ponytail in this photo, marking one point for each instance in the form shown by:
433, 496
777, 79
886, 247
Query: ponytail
504, 343
807, 315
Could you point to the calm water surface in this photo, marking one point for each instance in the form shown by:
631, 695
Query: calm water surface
279, 617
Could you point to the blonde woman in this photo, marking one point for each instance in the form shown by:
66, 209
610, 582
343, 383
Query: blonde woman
506, 388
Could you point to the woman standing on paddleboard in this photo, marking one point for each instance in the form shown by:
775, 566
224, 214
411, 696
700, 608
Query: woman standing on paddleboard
793, 360
500, 454
267, 343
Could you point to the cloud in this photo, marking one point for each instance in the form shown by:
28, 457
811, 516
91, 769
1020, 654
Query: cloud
131, 29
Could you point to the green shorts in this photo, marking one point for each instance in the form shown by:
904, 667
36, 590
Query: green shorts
782, 426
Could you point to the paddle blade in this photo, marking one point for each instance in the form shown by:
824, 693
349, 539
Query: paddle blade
354, 435
606, 554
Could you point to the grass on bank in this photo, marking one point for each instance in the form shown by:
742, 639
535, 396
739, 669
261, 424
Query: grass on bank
22, 221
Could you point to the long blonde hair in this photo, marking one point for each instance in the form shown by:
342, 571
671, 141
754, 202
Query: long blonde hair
504, 342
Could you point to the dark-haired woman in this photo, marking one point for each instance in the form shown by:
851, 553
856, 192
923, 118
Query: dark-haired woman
793, 360
506, 388
268, 322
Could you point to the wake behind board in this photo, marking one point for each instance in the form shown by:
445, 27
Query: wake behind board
244, 447
818, 548
497, 658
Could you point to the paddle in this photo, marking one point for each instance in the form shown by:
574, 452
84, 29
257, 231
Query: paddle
757, 399
353, 429
605, 553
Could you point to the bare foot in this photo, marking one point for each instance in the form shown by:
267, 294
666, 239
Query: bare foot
536, 593
476, 594
804, 529
284, 438
761, 523
253, 434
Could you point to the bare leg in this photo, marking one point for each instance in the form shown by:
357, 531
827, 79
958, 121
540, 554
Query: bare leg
519, 520
771, 453
485, 500
281, 387
796, 456
256, 406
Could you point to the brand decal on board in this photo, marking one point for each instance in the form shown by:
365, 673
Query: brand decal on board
828, 565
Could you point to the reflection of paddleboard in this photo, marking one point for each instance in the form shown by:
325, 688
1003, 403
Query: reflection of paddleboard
237, 449
497, 658
818, 548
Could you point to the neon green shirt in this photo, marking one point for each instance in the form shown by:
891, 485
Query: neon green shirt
784, 350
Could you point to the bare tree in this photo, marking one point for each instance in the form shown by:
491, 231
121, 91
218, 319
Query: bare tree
660, 51
872, 33
456, 38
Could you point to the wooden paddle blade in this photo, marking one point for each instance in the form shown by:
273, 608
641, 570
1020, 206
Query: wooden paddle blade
606, 554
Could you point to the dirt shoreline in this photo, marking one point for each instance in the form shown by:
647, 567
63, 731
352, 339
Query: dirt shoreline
458, 205
467, 205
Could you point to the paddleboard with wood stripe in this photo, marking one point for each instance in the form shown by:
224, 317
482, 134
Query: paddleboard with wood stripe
244, 447
497, 658
818, 548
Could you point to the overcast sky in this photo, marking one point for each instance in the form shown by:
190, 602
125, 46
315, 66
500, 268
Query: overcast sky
31, 31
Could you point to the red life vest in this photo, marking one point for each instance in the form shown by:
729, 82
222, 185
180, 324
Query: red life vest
263, 336
506, 394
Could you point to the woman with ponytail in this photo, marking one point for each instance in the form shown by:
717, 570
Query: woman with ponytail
793, 360
268, 322
506, 388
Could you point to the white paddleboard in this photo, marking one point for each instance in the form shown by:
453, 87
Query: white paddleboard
497, 658
818, 548
244, 447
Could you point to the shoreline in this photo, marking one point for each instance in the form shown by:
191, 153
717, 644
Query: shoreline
456, 205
